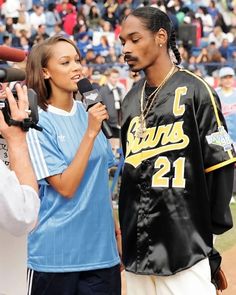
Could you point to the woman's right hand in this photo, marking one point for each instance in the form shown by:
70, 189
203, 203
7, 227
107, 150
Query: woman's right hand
96, 114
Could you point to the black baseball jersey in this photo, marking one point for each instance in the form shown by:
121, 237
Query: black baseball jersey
170, 181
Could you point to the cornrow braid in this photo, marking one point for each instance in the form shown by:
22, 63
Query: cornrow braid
174, 48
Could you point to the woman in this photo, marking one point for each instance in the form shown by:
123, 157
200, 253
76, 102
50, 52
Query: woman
178, 172
73, 249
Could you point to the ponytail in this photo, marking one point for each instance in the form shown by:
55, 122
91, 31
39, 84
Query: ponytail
173, 51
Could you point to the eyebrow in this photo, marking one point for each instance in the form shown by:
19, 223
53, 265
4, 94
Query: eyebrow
129, 35
68, 56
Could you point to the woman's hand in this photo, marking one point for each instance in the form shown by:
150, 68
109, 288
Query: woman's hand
96, 114
119, 246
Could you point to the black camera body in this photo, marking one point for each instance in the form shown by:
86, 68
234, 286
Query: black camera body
31, 121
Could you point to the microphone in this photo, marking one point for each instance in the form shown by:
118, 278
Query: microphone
11, 74
12, 54
91, 97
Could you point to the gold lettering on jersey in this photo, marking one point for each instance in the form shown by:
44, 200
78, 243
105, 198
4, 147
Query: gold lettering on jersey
167, 137
178, 110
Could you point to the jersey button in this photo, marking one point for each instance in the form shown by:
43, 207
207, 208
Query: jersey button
145, 164
144, 185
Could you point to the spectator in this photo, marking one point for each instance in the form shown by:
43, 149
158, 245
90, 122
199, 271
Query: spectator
109, 16
9, 25
69, 21
38, 36
184, 55
215, 58
207, 20
2, 31
226, 50
87, 6
124, 8
63, 8
11, 9
203, 57
58, 29
23, 24
24, 43
94, 18
84, 43
100, 60
227, 95
113, 93
52, 18
37, 17
217, 36
232, 17
90, 56
220, 21
95, 78
103, 46
213, 10
111, 57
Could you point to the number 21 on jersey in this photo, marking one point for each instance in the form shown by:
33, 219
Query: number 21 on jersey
164, 166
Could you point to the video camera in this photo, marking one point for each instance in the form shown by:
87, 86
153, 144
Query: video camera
31, 121
10, 75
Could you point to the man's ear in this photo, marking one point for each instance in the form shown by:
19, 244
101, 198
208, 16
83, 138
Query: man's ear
45, 74
161, 37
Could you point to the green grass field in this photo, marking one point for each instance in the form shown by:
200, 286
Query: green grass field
227, 240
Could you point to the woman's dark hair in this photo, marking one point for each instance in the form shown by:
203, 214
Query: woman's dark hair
154, 19
36, 61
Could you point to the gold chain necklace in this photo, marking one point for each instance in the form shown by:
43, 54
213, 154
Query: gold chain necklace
140, 132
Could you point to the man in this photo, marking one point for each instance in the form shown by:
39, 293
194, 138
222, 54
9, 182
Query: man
227, 95
112, 94
19, 202
178, 172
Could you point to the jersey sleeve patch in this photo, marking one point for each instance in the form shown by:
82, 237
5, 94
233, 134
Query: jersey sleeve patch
220, 138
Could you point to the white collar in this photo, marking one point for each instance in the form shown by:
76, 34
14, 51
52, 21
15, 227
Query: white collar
58, 111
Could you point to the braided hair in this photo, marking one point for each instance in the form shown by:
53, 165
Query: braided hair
154, 19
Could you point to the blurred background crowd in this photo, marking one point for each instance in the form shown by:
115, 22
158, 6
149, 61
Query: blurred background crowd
206, 31
206, 38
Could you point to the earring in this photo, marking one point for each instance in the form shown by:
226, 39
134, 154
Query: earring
160, 45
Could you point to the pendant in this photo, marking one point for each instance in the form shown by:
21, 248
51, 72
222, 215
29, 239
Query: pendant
140, 132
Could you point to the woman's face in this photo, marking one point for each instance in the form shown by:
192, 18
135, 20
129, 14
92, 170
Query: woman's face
64, 68
139, 47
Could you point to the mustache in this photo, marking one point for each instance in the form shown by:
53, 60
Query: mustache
129, 57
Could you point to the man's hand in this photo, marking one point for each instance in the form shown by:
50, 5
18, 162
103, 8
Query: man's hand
18, 112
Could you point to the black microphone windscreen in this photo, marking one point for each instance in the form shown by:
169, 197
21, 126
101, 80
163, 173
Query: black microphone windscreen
84, 85
92, 96
12, 54
11, 74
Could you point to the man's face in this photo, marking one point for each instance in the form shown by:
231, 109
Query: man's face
227, 81
139, 47
113, 78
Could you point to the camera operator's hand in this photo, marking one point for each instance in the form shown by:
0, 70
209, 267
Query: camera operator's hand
18, 113
19, 202
16, 138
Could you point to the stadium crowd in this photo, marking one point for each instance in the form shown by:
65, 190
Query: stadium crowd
206, 31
